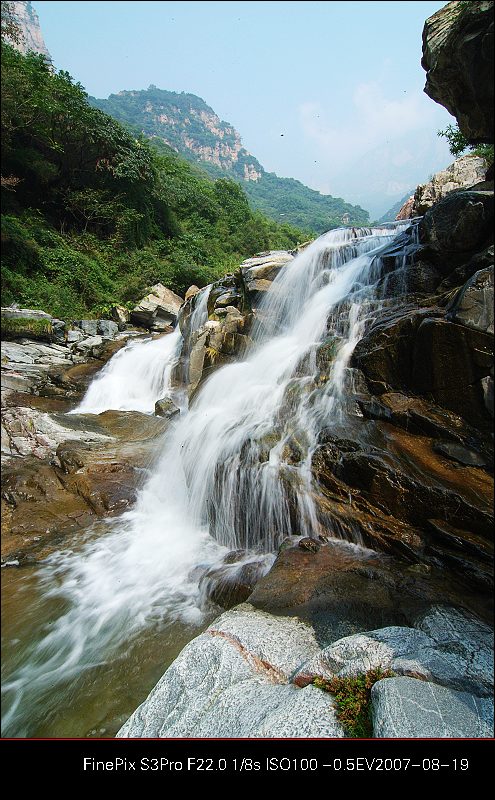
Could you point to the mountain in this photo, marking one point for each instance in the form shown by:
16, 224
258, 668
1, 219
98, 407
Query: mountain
31, 38
392, 212
189, 126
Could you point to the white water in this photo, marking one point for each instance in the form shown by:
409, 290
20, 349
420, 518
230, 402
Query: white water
134, 379
224, 480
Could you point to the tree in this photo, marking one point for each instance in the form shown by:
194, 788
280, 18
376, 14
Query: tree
458, 144
11, 30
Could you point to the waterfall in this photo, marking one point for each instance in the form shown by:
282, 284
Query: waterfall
134, 379
235, 470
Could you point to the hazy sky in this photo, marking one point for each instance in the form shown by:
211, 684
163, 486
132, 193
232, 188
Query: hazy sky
342, 81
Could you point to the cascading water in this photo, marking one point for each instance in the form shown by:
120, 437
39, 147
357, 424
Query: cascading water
139, 374
235, 470
134, 379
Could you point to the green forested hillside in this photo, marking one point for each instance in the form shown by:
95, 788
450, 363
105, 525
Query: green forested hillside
93, 215
187, 124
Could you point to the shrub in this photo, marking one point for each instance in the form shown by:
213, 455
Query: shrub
353, 695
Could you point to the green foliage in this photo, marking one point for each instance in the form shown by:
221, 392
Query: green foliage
353, 695
184, 123
458, 144
15, 328
94, 214
288, 199
11, 31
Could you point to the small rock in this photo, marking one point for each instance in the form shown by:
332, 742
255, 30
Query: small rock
107, 328
166, 408
88, 326
191, 292
74, 335
309, 544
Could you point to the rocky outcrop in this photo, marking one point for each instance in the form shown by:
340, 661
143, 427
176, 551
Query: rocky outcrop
407, 210
158, 311
233, 681
473, 303
223, 333
251, 675
427, 405
18, 323
458, 59
465, 172
459, 656
74, 470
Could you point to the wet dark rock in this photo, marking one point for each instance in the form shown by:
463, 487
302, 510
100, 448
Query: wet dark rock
459, 224
458, 59
457, 452
421, 353
229, 585
449, 362
462, 540
419, 277
480, 261
383, 496
419, 416
385, 353
343, 590
166, 408
473, 304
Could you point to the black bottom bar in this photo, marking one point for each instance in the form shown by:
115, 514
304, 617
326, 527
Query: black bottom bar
161, 758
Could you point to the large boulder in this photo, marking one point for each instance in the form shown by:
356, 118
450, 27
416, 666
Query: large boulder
233, 681
407, 708
458, 59
473, 304
458, 225
446, 658
158, 310
450, 361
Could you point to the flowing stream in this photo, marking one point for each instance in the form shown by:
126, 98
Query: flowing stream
234, 472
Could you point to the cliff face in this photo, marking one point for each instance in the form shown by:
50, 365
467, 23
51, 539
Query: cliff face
458, 58
31, 38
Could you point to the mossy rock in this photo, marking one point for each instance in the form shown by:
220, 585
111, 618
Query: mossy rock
27, 328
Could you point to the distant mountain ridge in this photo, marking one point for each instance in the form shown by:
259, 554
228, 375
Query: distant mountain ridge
189, 126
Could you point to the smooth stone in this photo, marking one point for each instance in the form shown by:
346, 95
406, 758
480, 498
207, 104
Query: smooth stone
404, 651
232, 681
464, 637
406, 708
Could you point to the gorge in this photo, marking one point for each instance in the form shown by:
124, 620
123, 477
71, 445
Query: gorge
308, 450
